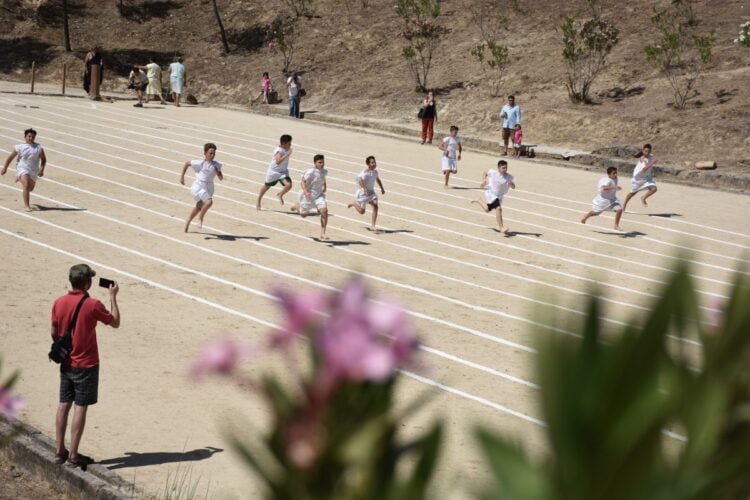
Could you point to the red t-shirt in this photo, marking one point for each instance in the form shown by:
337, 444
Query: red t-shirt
85, 353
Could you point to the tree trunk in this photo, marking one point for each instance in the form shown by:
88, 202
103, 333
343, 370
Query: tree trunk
221, 27
66, 30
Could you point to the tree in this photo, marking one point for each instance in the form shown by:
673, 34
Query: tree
586, 45
66, 29
490, 52
281, 36
422, 34
221, 27
680, 53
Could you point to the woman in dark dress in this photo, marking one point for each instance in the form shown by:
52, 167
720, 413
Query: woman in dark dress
429, 117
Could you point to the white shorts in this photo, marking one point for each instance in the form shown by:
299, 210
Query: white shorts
273, 176
641, 184
449, 164
363, 198
314, 202
202, 191
600, 204
31, 172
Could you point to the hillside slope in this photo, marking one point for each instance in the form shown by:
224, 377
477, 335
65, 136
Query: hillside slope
350, 57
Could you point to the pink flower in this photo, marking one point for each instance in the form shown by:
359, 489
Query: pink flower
299, 312
9, 403
220, 357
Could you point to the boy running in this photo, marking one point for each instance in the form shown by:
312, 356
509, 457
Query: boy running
606, 198
278, 170
366, 193
313, 193
28, 170
451, 148
496, 184
643, 176
203, 186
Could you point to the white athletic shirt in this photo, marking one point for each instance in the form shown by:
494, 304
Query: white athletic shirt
638, 170
282, 167
368, 178
314, 180
28, 156
205, 170
451, 146
498, 184
607, 194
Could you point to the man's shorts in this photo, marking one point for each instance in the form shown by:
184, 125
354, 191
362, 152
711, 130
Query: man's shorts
506, 134
314, 202
283, 179
202, 191
80, 385
449, 164
495, 204
363, 198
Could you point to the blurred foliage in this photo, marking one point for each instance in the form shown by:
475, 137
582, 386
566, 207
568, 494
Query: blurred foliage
629, 418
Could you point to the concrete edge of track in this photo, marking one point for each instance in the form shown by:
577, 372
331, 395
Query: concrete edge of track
36, 453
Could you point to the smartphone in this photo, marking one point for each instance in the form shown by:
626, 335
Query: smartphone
105, 283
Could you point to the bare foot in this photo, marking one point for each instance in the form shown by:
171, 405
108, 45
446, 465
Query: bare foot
324, 237
350, 205
445, 187
281, 198
27, 209
200, 223
618, 228
374, 229
187, 226
257, 207
644, 202
294, 208
583, 221
504, 229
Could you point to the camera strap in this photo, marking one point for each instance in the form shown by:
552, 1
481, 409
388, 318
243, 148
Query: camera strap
72, 325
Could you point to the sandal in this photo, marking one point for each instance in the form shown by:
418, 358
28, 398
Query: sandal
81, 461
61, 458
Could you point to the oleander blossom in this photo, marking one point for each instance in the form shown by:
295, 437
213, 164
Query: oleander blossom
10, 403
220, 357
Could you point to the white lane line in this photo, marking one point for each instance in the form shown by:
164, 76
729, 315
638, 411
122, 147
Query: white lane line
401, 167
606, 270
356, 221
135, 277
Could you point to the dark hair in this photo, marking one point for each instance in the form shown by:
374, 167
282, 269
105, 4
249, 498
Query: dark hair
502, 163
611, 169
285, 138
209, 145
453, 127
640, 153
178, 59
367, 160
265, 73
512, 97
29, 131
318, 157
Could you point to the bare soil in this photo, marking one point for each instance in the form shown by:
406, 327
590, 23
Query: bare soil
349, 54
17, 483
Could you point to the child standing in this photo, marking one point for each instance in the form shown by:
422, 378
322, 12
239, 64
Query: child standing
313, 193
278, 170
606, 198
451, 148
366, 193
30, 157
203, 186
643, 176
265, 88
496, 184
517, 139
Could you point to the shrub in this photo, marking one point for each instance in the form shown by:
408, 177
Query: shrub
333, 429
491, 54
743, 38
281, 36
422, 33
611, 404
680, 54
586, 45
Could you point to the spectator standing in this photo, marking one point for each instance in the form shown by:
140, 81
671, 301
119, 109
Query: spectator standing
153, 72
511, 116
137, 80
30, 155
177, 79
517, 140
294, 84
265, 88
93, 58
429, 117
79, 374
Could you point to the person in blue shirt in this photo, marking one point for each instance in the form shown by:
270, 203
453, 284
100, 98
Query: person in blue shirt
511, 116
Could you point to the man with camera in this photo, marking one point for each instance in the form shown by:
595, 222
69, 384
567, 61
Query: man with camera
79, 373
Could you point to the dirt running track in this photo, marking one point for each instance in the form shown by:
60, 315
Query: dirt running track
111, 197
